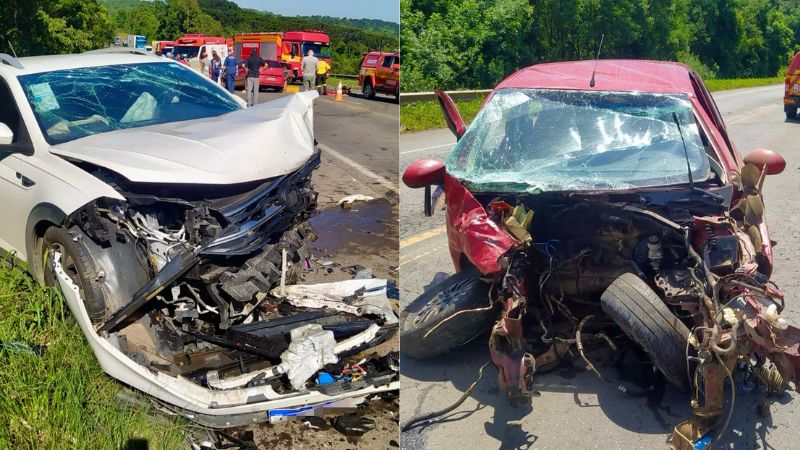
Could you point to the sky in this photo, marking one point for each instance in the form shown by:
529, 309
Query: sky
388, 10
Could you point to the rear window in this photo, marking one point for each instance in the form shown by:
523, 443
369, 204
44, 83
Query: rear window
371, 60
276, 64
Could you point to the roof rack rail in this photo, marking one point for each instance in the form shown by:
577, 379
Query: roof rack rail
11, 61
135, 51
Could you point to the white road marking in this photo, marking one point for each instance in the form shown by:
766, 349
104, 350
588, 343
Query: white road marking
383, 181
426, 148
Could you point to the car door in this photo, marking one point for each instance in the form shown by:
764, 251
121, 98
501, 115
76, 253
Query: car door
16, 196
384, 72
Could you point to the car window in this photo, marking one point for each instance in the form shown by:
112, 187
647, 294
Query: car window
558, 140
71, 104
275, 64
387, 61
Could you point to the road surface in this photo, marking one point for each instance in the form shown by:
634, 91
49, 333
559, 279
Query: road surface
575, 409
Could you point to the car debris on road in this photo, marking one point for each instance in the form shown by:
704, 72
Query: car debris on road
578, 209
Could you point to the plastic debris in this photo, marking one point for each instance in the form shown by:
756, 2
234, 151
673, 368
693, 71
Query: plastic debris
310, 349
357, 297
325, 378
355, 198
19, 347
365, 274
519, 222
353, 424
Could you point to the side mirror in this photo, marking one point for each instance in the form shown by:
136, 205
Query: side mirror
761, 158
6, 135
396, 66
424, 173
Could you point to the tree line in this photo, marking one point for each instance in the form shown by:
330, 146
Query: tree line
455, 44
41, 27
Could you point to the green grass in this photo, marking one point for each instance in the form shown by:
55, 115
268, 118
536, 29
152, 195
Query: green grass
428, 115
737, 83
334, 81
62, 398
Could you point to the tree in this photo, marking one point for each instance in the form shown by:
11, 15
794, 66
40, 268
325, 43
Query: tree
36, 27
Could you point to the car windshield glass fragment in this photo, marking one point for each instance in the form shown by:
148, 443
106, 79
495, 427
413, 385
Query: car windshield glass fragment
560, 140
75, 103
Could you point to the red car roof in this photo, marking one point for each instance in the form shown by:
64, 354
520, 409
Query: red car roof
611, 75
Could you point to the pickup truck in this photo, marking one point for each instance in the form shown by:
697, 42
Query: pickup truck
380, 72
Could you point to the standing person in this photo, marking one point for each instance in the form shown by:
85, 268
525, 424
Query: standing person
215, 67
231, 67
309, 65
203, 60
253, 63
322, 76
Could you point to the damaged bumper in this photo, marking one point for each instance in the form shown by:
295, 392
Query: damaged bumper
231, 403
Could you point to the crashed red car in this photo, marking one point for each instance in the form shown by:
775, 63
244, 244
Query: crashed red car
587, 198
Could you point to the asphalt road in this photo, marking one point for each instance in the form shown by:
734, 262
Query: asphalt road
575, 409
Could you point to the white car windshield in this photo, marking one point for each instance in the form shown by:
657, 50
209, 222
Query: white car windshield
561, 140
75, 103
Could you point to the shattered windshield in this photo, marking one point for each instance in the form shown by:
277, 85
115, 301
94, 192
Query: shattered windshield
559, 140
75, 103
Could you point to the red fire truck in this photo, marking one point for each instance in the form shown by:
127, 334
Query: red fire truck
297, 43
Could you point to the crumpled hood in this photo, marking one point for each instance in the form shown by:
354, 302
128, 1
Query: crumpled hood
264, 141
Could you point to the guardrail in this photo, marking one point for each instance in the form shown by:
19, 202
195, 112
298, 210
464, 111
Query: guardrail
407, 98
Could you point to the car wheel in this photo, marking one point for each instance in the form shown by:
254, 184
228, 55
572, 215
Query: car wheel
644, 317
368, 91
791, 113
78, 264
462, 291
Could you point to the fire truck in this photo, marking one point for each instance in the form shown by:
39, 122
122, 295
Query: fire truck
163, 47
297, 43
288, 48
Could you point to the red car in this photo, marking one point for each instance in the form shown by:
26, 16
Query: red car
273, 75
588, 198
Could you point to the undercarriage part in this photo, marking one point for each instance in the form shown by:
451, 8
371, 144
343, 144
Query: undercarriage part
507, 346
645, 318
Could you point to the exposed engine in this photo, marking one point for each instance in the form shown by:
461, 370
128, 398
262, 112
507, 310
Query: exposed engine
190, 270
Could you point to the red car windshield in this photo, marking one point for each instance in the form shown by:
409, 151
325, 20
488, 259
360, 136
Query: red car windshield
559, 140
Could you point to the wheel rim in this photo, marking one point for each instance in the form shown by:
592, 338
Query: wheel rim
440, 303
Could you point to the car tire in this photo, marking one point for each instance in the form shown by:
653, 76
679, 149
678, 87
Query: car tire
79, 265
791, 113
368, 90
644, 317
462, 291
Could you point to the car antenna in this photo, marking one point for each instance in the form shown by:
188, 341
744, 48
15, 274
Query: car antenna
597, 58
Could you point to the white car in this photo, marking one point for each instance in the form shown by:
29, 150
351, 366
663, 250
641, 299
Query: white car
165, 211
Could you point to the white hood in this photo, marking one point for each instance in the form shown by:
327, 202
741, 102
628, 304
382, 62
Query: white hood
264, 141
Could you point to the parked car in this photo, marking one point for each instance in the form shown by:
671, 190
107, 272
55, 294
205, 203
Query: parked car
145, 193
585, 201
274, 75
791, 95
380, 73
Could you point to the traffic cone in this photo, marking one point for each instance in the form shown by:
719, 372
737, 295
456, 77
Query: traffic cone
339, 92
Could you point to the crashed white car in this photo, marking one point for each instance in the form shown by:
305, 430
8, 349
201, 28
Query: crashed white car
166, 212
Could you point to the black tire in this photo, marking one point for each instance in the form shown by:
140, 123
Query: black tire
368, 91
79, 265
791, 113
462, 291
644, 317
